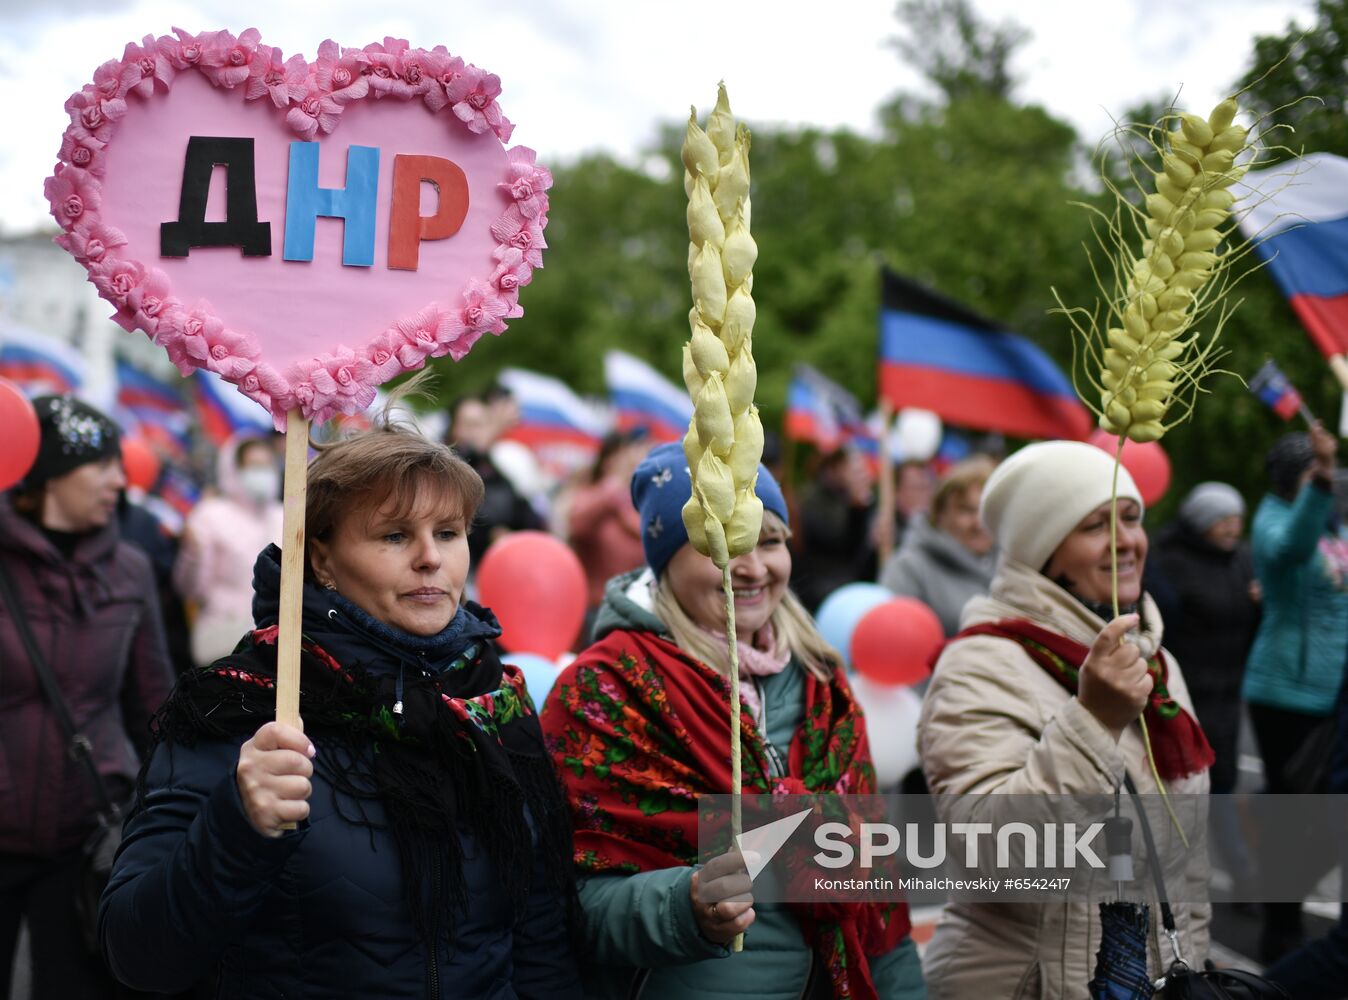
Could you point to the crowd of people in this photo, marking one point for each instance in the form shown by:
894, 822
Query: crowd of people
433, 830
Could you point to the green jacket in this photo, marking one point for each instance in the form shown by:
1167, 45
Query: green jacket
1297, 661
642, 926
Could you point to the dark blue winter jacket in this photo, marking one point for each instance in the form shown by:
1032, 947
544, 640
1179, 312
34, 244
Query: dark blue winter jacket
198, 898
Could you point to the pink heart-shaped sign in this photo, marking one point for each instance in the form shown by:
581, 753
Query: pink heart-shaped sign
305, 230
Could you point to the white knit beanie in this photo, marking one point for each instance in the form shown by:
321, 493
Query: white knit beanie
1037, 496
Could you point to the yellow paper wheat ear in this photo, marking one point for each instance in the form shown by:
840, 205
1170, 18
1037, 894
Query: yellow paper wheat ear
724, 443
1146, 366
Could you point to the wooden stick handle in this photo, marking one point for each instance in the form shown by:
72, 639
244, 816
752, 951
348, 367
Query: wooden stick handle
736, 774
292, 570
884, 500
1338, 364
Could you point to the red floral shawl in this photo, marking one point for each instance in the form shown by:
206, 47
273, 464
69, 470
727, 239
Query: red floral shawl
639, 730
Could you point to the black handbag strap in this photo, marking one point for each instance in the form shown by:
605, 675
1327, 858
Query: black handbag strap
1167, 917
77, 744
1154, 863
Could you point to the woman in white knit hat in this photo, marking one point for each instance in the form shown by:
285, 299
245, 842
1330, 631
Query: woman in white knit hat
1040, 694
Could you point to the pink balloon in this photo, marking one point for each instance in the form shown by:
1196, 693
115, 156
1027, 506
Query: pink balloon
536, 586
1148, 463
19, 420
896, 642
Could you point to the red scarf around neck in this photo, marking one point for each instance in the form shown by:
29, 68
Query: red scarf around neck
1177, 740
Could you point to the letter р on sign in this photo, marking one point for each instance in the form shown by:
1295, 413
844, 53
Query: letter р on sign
240, 228
407, 227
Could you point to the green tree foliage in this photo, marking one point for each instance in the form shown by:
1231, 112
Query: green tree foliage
956, 50
971, 191
1300, 79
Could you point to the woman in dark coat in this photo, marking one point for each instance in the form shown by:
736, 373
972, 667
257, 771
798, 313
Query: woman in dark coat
1215, 613
1211, 618
432, 851
89, 600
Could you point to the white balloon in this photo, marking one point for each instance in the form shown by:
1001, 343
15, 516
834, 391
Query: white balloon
917, 434
891, 728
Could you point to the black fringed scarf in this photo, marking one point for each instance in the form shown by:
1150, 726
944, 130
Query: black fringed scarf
435, 729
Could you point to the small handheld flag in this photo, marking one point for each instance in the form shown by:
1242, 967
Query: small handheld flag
1272, 386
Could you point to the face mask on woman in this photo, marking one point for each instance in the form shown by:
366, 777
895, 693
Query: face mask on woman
260, 484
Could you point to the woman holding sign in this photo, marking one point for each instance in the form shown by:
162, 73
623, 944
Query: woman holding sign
639, 727
411, 840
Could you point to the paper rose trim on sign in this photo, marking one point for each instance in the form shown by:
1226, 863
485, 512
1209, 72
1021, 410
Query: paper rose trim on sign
311, 98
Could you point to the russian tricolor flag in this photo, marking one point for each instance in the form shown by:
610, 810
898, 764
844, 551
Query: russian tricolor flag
823, 413
937, 355
811, 410
1277, 392
642, 397
1300, 223
153, 410
39, 363
137, 390
224, 411
551, 413
178, 492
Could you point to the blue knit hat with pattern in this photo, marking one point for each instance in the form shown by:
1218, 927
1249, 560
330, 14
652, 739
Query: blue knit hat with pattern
661, 486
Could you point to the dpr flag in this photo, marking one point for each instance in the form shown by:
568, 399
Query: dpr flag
938, 355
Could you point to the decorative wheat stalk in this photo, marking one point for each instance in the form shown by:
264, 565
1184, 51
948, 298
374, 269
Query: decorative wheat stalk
1146, 369
724, 443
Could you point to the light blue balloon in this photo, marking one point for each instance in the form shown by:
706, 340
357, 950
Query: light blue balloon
540, 674
843, 609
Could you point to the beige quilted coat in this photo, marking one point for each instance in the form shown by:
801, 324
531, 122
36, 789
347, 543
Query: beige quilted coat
994, 721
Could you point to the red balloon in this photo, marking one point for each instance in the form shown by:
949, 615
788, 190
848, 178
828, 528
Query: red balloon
140, 464
1147, 463
19, 420
536, 586
895, 642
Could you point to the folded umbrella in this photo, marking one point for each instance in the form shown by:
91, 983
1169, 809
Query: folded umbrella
1121, 962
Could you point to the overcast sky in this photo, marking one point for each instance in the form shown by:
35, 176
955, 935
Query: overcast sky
583, 75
